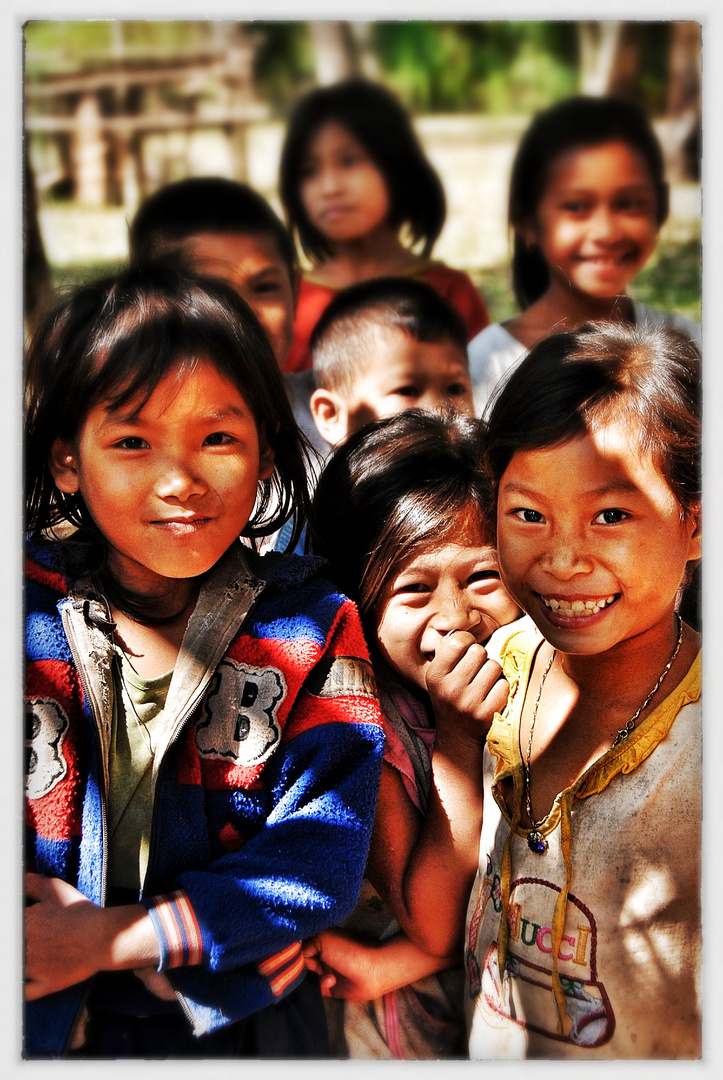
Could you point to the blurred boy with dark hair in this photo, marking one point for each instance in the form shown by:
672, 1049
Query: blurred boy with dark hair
227, 230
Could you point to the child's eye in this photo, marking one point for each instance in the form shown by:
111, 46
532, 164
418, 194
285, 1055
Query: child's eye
633, 203
534, 517
457, 389
218, 438
610, 517
574, 206
406, 391
266, 287
483, 575
132, 442
414, 587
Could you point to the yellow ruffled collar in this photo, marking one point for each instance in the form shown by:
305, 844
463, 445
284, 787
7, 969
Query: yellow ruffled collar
503, 737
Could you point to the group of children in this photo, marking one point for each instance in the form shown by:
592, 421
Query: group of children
282, 805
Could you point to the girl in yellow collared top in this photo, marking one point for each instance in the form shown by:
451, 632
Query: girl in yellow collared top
583, 928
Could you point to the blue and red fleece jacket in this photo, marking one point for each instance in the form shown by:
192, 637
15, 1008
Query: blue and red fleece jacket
265, 793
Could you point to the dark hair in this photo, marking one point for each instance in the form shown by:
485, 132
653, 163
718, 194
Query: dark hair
377, 120
204, 204
393, 489
344, 335
572, 383
575, 122
114, 341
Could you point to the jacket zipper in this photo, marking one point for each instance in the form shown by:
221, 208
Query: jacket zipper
73, 643
90, 698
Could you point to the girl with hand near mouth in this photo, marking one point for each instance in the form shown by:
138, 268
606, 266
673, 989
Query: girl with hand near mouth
363, 202
583, 928
587, 199
399, 514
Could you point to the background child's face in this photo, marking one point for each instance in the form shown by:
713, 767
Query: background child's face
344, 194
455, 586
258, 272
172, 486
596, 223
400, 374
591, 541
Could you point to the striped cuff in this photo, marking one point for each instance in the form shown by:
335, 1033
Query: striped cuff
284, 969
177, 930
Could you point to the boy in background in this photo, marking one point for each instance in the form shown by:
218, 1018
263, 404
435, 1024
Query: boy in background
382, 347
225, 229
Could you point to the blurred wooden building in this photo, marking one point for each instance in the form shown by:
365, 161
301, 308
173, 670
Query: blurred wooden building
86, 131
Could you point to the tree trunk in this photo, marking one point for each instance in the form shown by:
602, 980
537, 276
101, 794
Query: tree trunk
683, 116
598, 45
37, 286
333, 54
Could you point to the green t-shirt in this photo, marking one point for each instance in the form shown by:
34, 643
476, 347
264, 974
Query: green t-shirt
138, 722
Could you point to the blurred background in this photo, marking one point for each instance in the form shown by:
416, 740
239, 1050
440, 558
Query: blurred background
114, 109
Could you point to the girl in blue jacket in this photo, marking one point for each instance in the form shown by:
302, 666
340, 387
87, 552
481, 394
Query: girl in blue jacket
203, 744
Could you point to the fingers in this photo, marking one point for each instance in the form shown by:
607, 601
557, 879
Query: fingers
311, 951
491, 699
314, 964
157, 982
466, 688
453, 646
460, 660
311, 947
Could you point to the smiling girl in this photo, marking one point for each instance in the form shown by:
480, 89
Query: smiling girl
399, 513
583, 929
201, 721
360, 196
587, 199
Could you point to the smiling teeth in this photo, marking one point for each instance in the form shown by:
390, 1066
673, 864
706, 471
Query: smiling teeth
576, 608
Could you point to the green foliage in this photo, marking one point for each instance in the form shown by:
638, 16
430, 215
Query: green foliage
672, 279
533, 81
284, 65
653, 67
494, 66
71, 37
57, 47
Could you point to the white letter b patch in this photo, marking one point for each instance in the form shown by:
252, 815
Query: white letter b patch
46, 725
240, 713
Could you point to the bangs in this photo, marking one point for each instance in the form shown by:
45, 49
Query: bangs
419, 523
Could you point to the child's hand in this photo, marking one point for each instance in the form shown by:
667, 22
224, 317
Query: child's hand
68, 938
362, 971
346, 965
59, 929
466, 689
157, 982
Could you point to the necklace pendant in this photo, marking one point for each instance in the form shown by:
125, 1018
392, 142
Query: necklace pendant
536, 842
